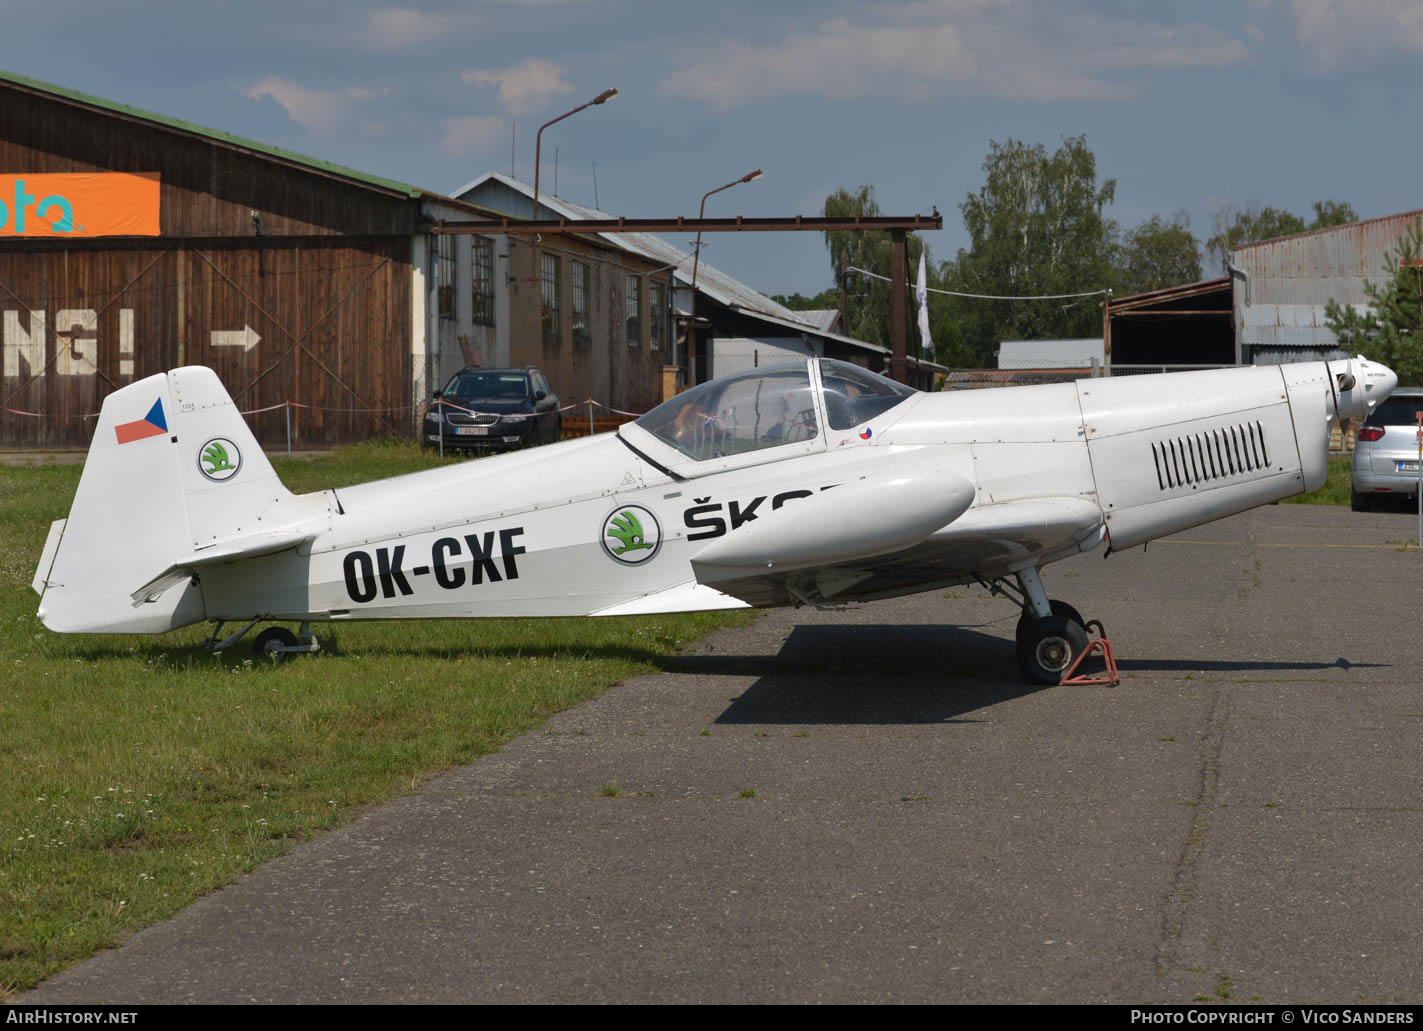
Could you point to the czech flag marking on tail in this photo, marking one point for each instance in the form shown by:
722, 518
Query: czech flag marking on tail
151, 425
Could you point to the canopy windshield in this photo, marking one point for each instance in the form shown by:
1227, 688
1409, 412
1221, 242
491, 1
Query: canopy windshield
854, 396
749, 411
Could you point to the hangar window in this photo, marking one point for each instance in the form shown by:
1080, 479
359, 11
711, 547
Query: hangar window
483, 280
548, 296
748, 411
580, 303
658, 315
445, 275
634, 311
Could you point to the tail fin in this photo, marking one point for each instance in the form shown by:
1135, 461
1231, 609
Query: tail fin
172, 470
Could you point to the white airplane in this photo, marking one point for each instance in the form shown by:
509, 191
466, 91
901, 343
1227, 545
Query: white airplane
811, 483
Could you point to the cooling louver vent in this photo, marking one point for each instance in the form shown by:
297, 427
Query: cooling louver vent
1212, 455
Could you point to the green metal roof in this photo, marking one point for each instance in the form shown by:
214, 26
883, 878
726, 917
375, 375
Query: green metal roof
227, 139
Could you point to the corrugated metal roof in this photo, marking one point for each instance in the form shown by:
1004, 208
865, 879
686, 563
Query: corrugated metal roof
821, 318
224, 138
1165, 295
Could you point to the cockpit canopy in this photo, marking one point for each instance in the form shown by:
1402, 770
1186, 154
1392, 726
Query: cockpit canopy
769, 407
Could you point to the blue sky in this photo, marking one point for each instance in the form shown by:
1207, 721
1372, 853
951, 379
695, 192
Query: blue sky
1187, 105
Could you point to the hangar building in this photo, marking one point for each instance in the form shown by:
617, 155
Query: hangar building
131, 243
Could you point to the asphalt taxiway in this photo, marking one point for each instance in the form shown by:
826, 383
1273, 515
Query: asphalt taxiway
869, 805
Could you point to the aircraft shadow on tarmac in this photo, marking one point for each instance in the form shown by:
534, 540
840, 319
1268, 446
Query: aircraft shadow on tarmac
882, 674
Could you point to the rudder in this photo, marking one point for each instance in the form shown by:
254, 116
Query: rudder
172, 469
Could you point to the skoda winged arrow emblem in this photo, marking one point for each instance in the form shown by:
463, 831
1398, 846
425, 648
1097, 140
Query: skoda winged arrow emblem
631, 534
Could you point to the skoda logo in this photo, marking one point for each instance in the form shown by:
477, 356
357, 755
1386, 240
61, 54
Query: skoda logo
631, 535
219, 459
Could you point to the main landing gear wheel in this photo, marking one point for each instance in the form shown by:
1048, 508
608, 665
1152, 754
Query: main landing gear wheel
271, 644
1048, 647
1059, 608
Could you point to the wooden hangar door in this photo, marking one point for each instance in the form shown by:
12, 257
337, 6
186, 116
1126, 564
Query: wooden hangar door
322, 324
76, 326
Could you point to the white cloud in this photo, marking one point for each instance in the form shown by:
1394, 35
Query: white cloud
320, 111
314, 109
1007, 49
393, 29
523, 87
471, 133
1338, 37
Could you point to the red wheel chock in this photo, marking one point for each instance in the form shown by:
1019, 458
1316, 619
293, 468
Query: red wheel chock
1097, 646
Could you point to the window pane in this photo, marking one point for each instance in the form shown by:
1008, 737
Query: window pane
854, 395
482, 279
548, 264
658, 315
445, 275
634, 311
580, 302
749, 411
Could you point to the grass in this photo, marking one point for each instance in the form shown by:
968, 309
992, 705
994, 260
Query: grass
1336, 488
142, 772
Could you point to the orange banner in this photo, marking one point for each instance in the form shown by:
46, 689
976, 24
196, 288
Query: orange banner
53, 205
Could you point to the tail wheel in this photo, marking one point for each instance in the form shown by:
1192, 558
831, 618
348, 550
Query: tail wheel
1048, 647
271, 642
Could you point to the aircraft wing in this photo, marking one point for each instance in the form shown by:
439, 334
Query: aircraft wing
988, 541
684, 597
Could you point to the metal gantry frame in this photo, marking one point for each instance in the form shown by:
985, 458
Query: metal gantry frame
896, 226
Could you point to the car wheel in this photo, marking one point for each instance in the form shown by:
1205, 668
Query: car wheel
1361, 502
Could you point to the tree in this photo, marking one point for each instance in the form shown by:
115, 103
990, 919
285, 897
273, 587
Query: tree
1332, 213
868, 298
1037, 227
1158, 254
1390, 329
798, 302
1236, 228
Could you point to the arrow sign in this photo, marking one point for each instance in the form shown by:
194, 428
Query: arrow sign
245, 338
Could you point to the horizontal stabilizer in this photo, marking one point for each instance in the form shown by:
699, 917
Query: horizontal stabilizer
229, 551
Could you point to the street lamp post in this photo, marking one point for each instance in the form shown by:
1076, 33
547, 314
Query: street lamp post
696, 260
606, 95
535, 273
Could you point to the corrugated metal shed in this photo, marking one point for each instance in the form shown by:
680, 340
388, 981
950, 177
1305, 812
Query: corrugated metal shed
1292, 277
1050, 354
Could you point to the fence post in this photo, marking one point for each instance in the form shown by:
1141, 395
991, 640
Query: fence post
287, 407
440, 425
590, 417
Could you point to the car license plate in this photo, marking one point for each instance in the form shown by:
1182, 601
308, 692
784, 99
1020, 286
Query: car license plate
472, 431
1406, 467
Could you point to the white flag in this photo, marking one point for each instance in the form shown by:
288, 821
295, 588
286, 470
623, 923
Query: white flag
921, 291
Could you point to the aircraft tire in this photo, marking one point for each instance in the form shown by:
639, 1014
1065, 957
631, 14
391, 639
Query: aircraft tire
1059, 608
1049, 647
272, 639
